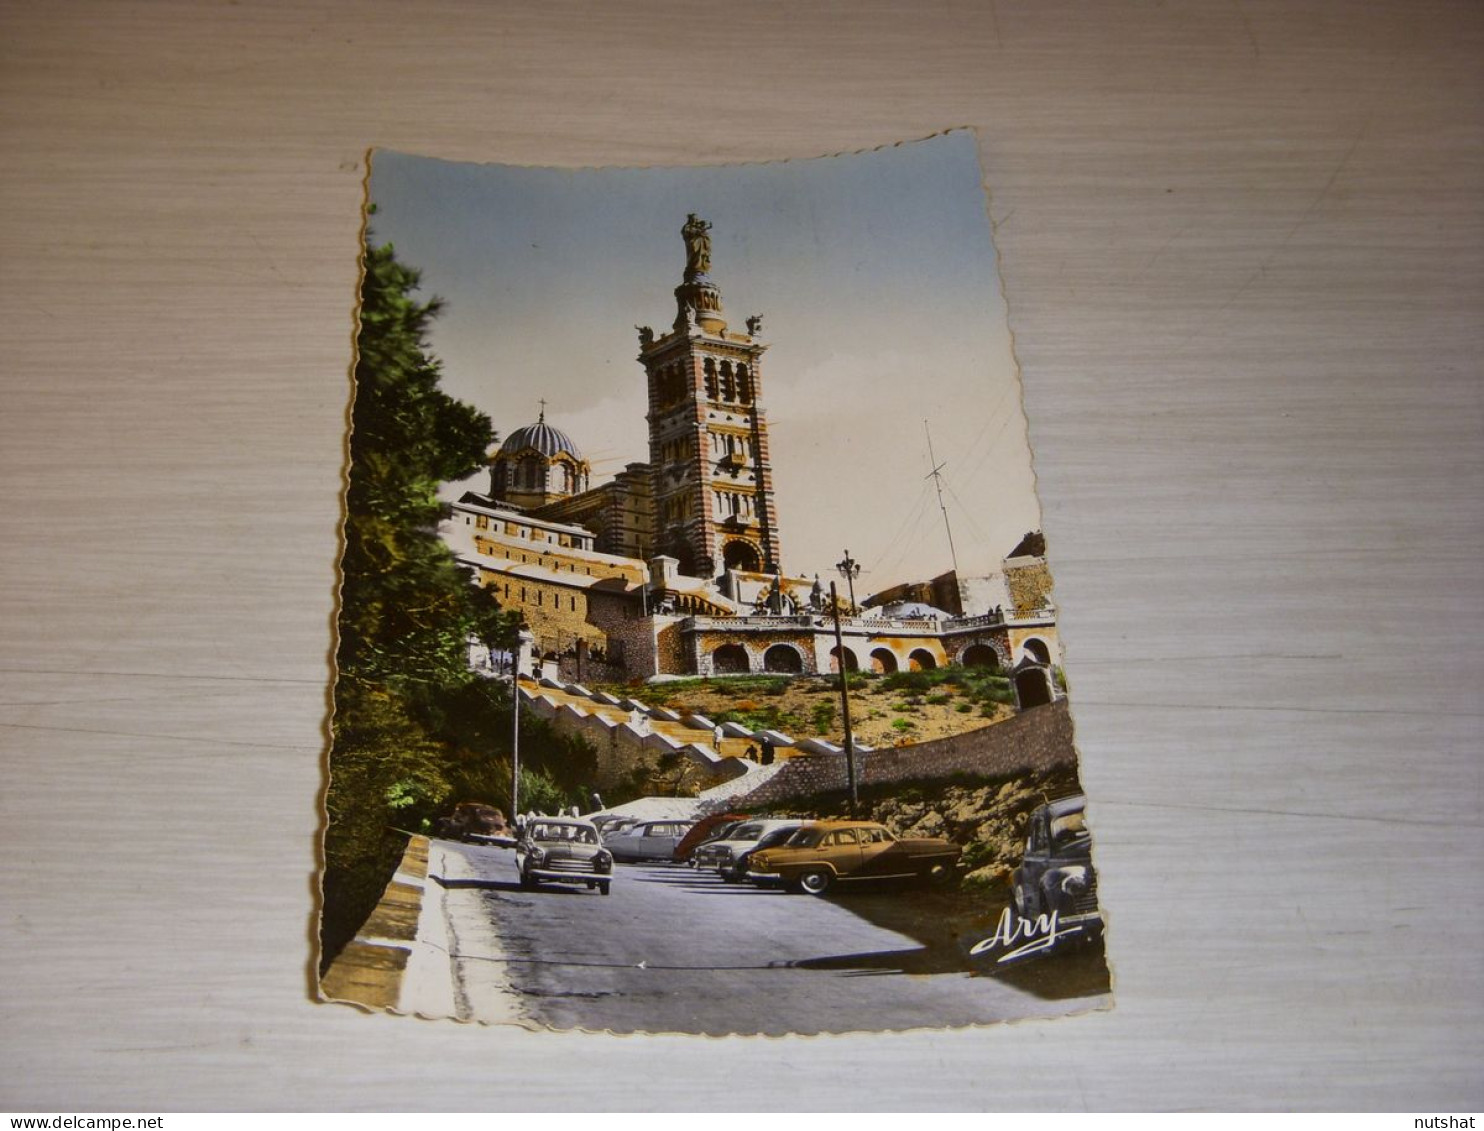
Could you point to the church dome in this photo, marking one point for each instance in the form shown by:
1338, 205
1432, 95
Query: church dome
541, 436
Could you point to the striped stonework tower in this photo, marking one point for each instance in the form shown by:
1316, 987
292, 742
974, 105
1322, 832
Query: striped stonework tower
711, 473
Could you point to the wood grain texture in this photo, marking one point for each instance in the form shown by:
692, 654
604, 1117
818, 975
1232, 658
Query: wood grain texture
1242, 252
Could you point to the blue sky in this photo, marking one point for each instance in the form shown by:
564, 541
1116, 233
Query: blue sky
875, 273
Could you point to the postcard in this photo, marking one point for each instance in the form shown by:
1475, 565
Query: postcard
698, 667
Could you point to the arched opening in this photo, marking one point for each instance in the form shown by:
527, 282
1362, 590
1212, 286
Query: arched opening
532, 474
741, 555
921, 660
1037, 650
730, 659
883, 660
1032, 688
851, 663
981, 656
783, 658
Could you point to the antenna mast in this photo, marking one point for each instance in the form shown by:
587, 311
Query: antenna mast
937, 479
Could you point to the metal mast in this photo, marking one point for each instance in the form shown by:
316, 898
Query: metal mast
937, 479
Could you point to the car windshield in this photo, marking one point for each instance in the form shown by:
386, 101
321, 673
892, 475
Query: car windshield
1069, 829
805, 838
577, 834
777, 836
750, 831
721, 832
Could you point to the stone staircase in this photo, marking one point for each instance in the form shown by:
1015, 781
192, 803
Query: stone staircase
606, 716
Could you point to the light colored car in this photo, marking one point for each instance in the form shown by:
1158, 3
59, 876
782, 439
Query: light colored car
647, 841
560, 850
727, 857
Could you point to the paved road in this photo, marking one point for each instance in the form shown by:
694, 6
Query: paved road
672, 950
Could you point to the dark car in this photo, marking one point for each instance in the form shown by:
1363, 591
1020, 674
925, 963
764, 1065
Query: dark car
562, 850
1056, 873
472, 820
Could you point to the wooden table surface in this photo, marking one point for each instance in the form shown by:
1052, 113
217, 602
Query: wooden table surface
1241, 247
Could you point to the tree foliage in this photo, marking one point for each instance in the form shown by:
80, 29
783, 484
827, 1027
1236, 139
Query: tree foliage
406, 607
414, 728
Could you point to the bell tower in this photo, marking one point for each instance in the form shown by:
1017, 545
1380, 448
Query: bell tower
710, 466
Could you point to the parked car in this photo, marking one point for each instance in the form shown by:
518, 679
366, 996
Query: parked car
472, 820
560, 850
727, 855
1056, 872
648, 840
739, 869
826, 853
703, 830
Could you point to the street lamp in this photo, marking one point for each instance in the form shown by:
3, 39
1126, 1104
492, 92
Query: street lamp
849, 569
845, 699
523, 641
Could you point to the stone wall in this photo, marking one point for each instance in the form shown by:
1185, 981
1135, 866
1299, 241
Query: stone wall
556, 613
1029, 585
1038, 739
671, 653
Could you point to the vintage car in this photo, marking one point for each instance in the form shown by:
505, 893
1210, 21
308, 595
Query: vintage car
562, 850
1056, 873
826, 853
472, 820
728, 855
706, 829
648, 840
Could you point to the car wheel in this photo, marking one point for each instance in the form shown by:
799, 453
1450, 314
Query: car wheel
603, 886
1018, 903
816, 881
730, 877
527, 880
939, 875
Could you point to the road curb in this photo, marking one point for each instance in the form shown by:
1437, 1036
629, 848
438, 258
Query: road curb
371, 969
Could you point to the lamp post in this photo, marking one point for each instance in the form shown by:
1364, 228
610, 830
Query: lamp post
523, 641
849, 569
844, 700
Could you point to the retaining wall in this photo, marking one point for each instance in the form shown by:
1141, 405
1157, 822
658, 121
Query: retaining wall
1038, 739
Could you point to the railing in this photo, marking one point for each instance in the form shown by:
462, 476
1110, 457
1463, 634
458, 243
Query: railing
822, 621
693, 624
988, 620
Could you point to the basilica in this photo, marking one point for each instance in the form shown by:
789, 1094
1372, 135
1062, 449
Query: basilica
675, 565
